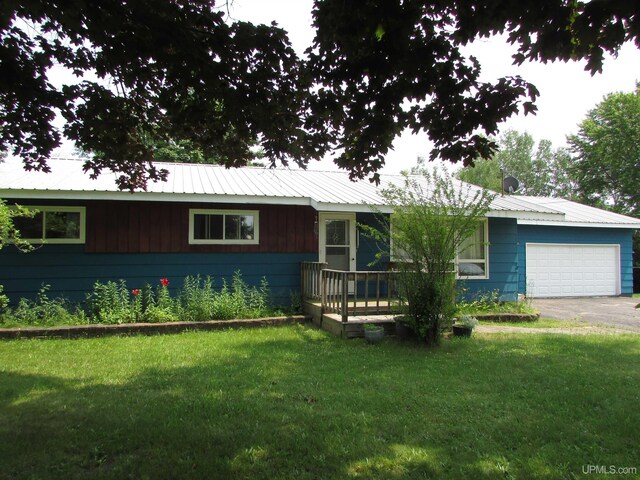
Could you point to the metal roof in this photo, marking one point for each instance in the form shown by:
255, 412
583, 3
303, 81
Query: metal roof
323, 190
577, 214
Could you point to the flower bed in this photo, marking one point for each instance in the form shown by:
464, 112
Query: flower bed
507, 317
98, 330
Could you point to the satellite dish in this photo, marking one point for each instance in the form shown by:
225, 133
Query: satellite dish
510, 185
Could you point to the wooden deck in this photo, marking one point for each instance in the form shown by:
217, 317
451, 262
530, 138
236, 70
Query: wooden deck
354, 327
342, 302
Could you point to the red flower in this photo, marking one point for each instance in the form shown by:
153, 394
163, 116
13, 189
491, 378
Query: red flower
164, 281
135, 291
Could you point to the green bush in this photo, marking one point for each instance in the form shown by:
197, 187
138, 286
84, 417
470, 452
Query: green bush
489, 302
4, 300
156, 314
199, 301
432, 219
113, 303
44, 311
110, 303
194, 300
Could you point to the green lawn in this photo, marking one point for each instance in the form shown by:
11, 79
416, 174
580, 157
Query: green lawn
541, 323
296, 403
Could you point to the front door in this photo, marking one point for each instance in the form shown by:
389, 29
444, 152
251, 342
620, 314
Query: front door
338, 240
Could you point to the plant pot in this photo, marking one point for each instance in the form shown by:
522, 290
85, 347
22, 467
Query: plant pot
462, 331
372, 335
404, 332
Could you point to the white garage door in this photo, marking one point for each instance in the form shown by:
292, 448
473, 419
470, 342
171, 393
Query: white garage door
572, 270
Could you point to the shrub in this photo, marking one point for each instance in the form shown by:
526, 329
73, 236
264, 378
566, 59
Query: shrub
467, 321
489, 302
110, 303
199, 301
113, 303
157, 308
4, 300
432, 218
240, 301
44, 311
156, 314
194, 300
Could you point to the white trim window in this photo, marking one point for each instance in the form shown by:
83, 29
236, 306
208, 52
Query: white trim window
472, 261
210, 227
53, 224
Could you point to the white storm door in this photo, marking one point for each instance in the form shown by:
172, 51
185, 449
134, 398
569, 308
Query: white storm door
337, 238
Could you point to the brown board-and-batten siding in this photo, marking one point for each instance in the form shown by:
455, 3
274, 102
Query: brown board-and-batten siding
162, 227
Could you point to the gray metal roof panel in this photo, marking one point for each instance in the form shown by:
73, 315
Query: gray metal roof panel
574, 212
275, 185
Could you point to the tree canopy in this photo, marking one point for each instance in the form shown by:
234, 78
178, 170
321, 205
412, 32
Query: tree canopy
541, 170
176, 70
607, 154
157, 71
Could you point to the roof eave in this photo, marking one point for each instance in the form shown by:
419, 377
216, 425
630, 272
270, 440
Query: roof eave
635, 226
526, 216
152, 197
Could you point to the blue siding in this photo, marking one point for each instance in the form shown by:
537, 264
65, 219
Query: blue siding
366, 255
367, 247
71, 272
503, 258
503, 262
581, 235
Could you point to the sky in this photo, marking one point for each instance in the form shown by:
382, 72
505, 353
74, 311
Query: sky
567, 92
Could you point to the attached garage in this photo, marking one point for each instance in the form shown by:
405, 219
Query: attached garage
572, 270
581, 252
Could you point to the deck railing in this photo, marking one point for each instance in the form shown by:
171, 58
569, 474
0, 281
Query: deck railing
358, 293
350, 293
310, 280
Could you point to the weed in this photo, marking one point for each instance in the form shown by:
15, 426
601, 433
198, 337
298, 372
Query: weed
44, 311
113, 303
489, 302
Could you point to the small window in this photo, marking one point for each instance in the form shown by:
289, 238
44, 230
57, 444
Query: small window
473, 255
53, 225
223, 226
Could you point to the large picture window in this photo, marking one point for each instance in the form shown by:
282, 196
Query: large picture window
223, 226
472, 260
53, 225
473, 255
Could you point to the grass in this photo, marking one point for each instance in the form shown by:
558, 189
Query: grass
296, 403
541, 323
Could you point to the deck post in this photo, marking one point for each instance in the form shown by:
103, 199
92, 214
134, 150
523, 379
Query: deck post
366, 293
345, 294
323, 291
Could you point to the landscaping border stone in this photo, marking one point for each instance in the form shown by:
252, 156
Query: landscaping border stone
96, 330
508, 317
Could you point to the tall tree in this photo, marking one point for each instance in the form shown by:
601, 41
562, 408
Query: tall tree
387, 65
607, 154
541, 170
154, 71
184, 151
175, 69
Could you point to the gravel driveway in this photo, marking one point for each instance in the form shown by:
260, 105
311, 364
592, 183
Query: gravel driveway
619, 312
